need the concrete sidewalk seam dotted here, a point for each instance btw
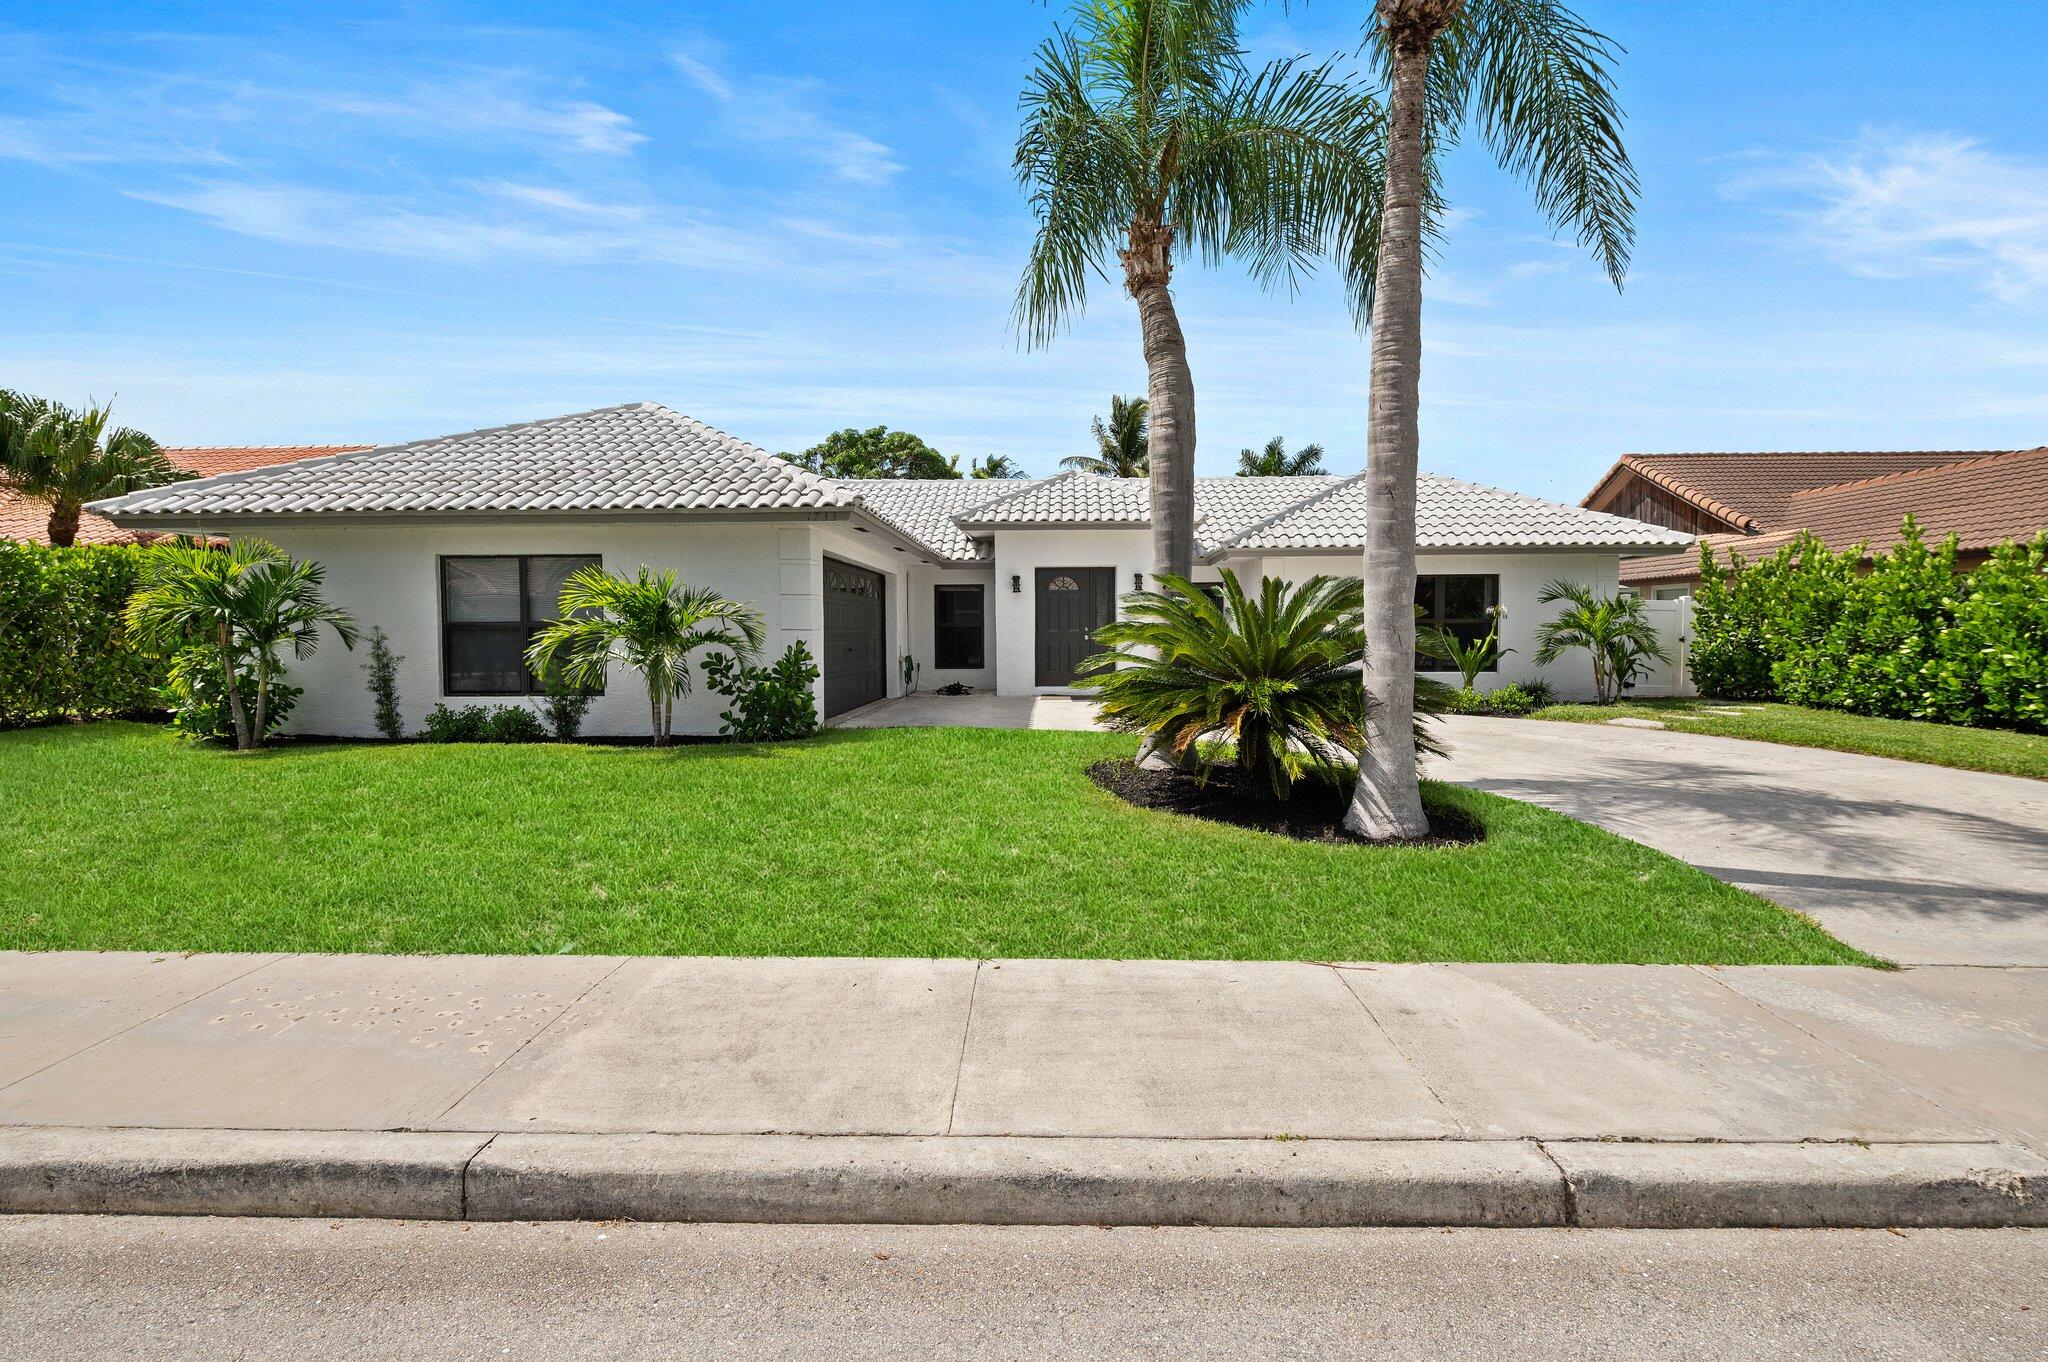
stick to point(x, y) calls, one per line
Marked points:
point(966, 1031)
point(517, 1050)
point(1570, 1190)
point(1713, 972)
point(154, 1016)
point(462, 1187)
point(1343, 974)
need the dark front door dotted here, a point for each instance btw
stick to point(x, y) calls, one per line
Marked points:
point(856, 672)
point(1072, 604)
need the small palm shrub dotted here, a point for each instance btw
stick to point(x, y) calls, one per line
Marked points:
point(650, 622)
point(1275, 677)
point(769, 704)
point(1613, 629)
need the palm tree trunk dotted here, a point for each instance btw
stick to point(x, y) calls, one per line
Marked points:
point(260, 727)
point(234, 690)
point(1387, 805)
point(1170, 398)
point(654, 700)
point(63, 524)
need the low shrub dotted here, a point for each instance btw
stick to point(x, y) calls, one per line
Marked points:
point(1458, 700)
point(1512, 700)
point(64, 649)
point(514, 723)
point(196, 695)
point(564, 707)
point(769, 704)
point(469, 724)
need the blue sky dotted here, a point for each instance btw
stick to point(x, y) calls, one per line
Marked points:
point(257, 223)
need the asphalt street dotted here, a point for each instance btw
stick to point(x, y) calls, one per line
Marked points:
point(141, 1288)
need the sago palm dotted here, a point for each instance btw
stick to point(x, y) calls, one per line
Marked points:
point(1616, 630)
point(1535, 82)
point(1119, 442)
point(651, 623)
point(1274, 677)
point(235, 608)
point(52, 453)
point(1147, 140)
point(1275, 462)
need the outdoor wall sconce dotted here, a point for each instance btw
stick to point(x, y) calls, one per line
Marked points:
point(1016, 585)
point(1137, 581)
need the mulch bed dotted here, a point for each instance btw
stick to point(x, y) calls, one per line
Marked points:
point(1315, 813)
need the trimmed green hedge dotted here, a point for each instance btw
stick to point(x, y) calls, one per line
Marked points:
point(1907, 639)
point(63, 652)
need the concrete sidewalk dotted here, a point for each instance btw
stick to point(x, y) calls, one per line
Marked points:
point(1075, 1091)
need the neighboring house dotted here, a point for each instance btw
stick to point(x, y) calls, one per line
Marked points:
point(28, 520)
point(1755, 504)
point(457, 546)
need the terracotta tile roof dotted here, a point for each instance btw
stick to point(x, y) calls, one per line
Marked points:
point(24, 519)
point(1983, 501)
point(1750, 491)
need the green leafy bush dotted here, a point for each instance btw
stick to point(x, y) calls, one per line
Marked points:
point(565, 706)
point(471, 723)
point(196, 695)
point(769, 704)
point(1902, 637)
point(1512, 700)
point(64, 650)
point(1464, 701)
point(514, 723)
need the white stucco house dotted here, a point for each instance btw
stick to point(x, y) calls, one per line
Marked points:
point(455, 546)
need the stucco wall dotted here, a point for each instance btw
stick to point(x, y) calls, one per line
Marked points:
point(389, 577)
point(923, 643)
point(1522, 577)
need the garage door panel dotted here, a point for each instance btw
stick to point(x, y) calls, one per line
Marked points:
point(856, 664)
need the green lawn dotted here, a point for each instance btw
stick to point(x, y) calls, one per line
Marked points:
point(922, 842)
point(1971, 749)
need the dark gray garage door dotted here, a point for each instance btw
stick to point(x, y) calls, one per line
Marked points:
point(856, 671)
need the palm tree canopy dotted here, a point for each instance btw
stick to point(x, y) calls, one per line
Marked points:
point(1120, 443)
point(68, 457)
point(1144, 114)
point(192, 591)
point(1275, 462)
point(1000, 466)
point(650, 622)
point(1537, 83)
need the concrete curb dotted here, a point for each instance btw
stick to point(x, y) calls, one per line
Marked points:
point(1016, 1180)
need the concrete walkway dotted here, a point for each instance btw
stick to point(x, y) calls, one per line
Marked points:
point(972, 711)
point(1146, 1092)
point(1916, 863)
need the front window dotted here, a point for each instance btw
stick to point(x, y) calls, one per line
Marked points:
point(959, 627)
point(1461, 606)
point(490, 610)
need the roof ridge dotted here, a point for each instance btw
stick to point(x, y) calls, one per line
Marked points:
point(803, 475)
point(961, 518)
point(1714, 506)
point(1289, 509)
point(1979, 461)
point(222, 449)
point(1804, 453)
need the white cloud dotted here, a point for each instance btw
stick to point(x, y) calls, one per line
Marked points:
point(1895, 206)
point(781, 112)
point(479, 109)
point(560, 200)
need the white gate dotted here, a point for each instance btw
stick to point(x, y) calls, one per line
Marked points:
point(1674, 627)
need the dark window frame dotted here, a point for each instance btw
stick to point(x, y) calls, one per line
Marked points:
point(1434, 616)
point(978, 629)
point(533, 684)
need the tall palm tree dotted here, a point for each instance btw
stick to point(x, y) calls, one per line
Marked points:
point(1119, 444)
point(1146, 136)
point(1536, 82)
point(231, 610)
point(67, 458)
point(1275, 462)
point(998, 466)
point(651, 623)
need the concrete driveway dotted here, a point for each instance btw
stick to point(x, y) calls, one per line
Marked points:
point(1919, 864)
